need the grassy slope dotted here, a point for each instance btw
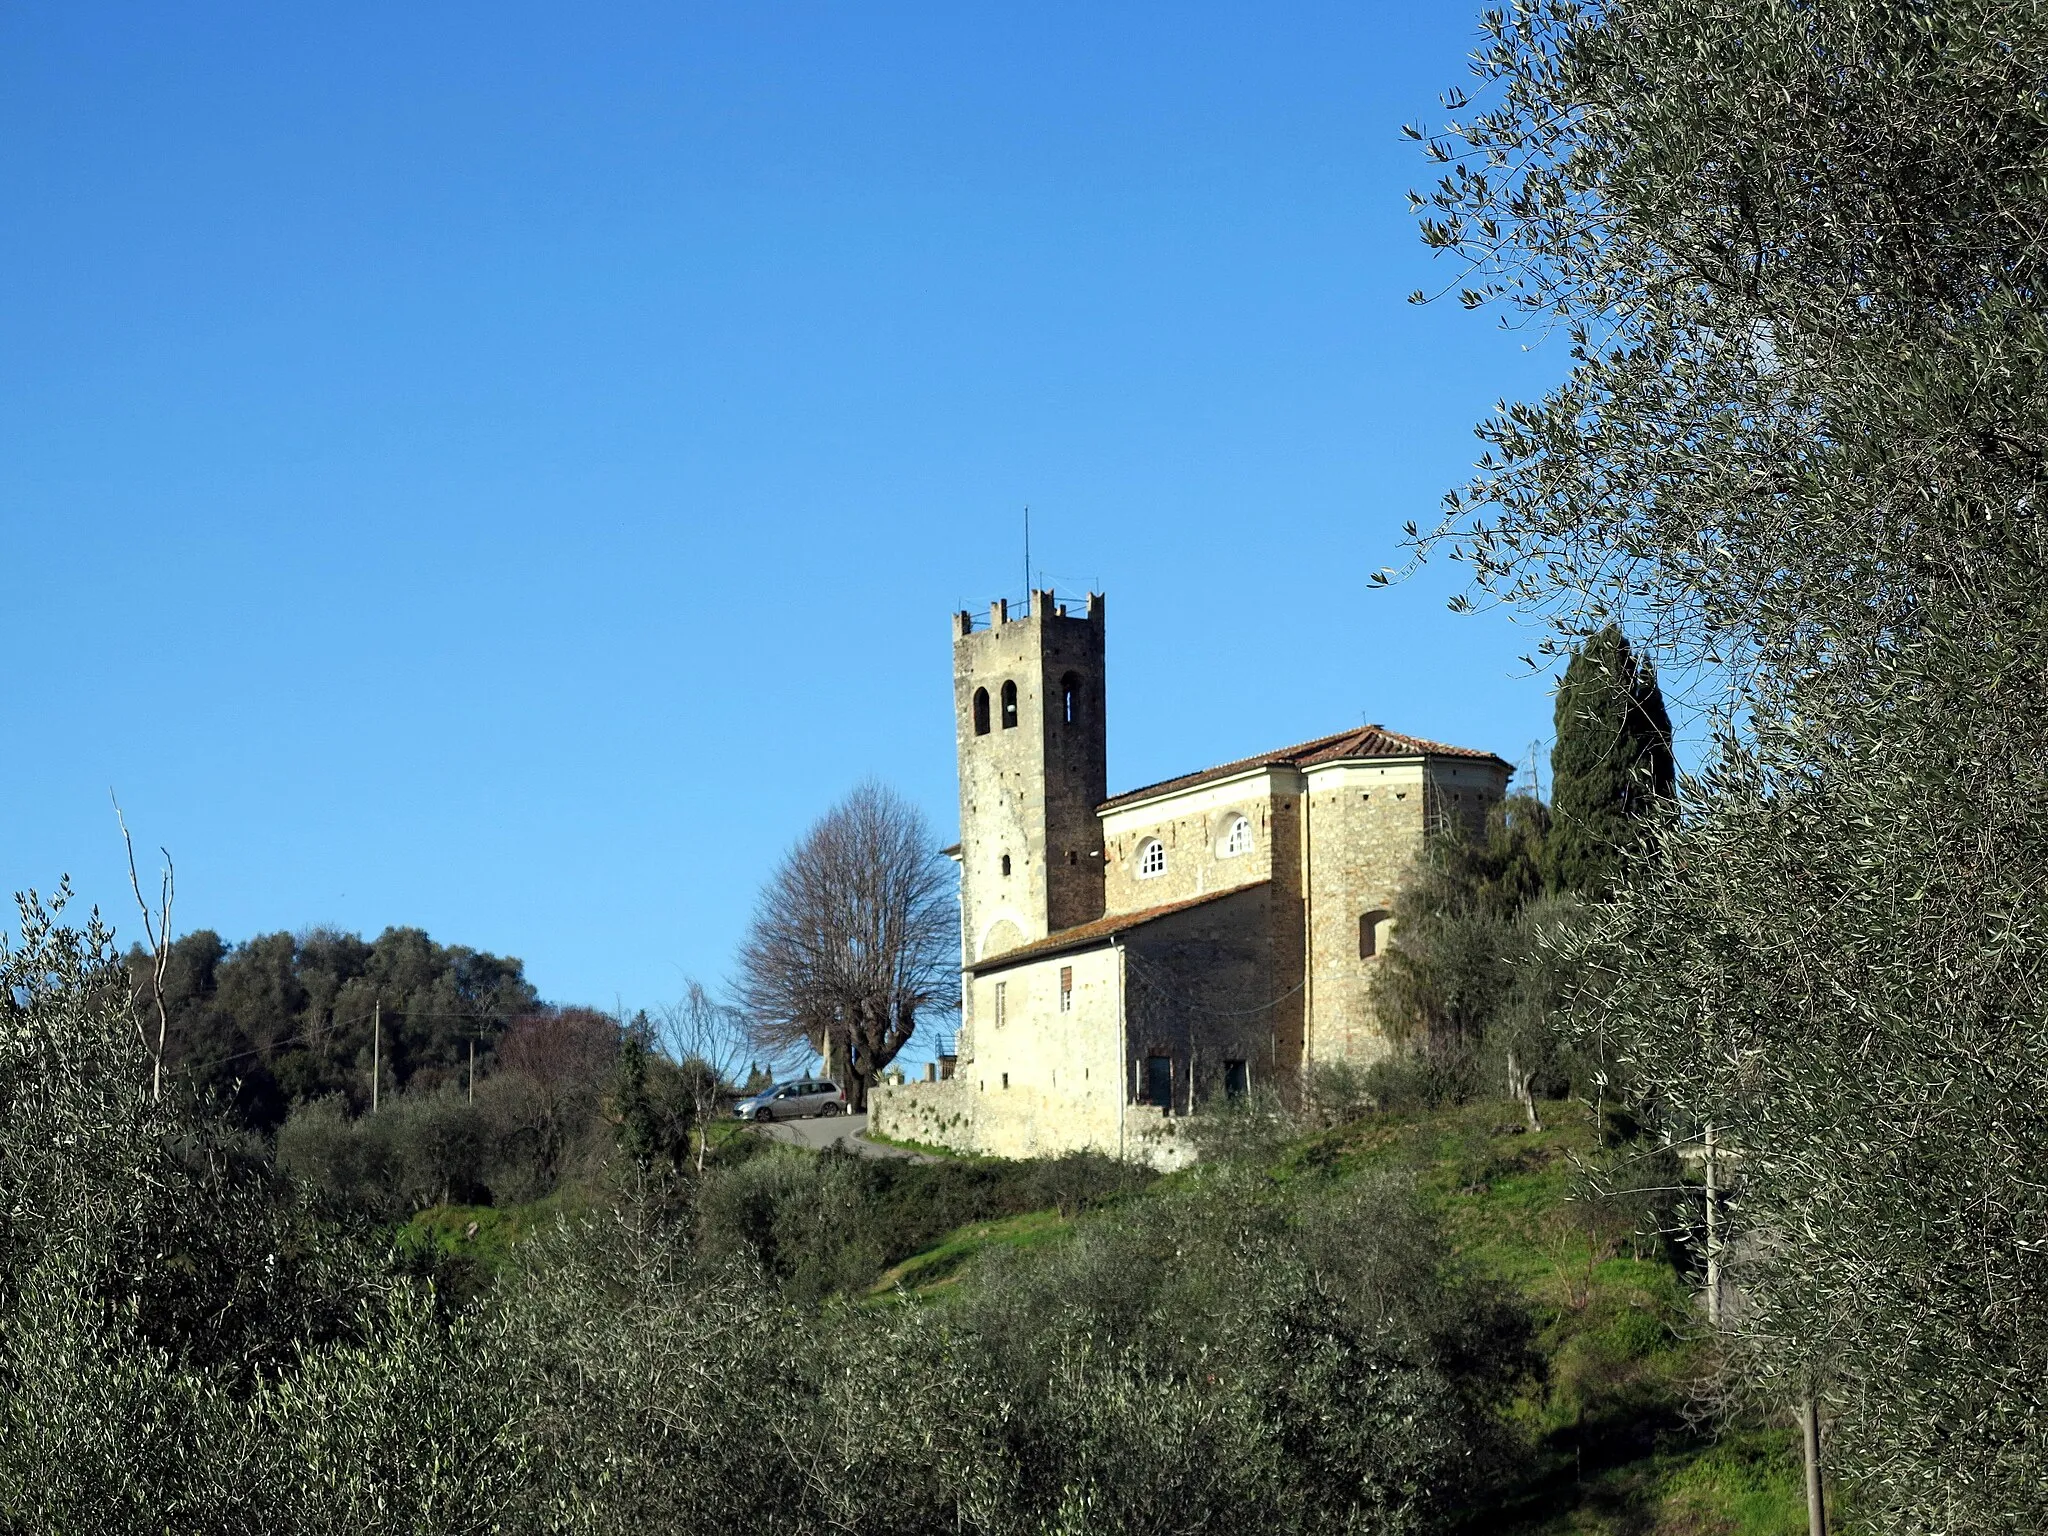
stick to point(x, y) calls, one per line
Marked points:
point(1614, 1455)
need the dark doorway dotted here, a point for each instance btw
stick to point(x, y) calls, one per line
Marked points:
point(1159, 1081)
point(1237, 1079)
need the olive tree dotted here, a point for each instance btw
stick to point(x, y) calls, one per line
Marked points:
point(854, 939)
point(1795, 253)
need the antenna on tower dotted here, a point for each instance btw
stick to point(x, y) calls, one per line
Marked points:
point(1027, 554)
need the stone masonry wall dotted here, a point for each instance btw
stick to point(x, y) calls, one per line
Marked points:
point(940, 1114)
point(1047, 1078)
point(1200, 990)
point(1365, 826)
point(1028, 791)
point(1191, 827)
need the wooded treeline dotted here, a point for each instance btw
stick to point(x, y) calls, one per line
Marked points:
point(485, 1094)
point(284, 1017)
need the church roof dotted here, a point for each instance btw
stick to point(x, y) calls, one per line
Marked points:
point(1082, 935)
point(1367, 741)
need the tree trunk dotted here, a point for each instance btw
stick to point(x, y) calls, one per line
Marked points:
point(1713, 1233)
point(1519, 1089)
point(1816, 1502)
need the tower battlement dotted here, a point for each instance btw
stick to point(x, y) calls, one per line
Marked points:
point(1041, 603)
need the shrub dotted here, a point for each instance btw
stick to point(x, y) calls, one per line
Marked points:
point(422, 1149)
point(1211, 1357)
point(833, 1222)
point(436, 1147)
point(330, 1150)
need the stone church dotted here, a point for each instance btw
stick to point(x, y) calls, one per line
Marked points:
point(1127, 959)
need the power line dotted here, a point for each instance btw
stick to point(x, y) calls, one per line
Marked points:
point(1184, 1000)
point(329, 1028)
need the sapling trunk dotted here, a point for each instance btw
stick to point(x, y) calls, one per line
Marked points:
point(1816, 1502)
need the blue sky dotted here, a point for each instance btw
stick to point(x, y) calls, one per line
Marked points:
point(507, 469)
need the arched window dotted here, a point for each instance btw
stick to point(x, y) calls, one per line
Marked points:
point(1151, 859)
point(1372, 933)
point(1238, 840)
point(1006, 863)
point(1070, 698)
point(981, 711)
point(1009, 705)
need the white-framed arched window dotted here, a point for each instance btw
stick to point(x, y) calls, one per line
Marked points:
point(1151, 859)
point(1238, 840)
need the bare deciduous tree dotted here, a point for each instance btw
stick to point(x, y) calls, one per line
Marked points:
point(855, 937)
point(550, 1074)
point(704, 1036)
point(156, 927)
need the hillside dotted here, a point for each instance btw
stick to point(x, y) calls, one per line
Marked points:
point(1611, 1448)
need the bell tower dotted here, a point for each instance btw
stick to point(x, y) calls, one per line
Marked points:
point(1028, 711)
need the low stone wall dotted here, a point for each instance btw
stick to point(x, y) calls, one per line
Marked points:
point(957, 1114)
point(1154, 1137)
point(940, 1114)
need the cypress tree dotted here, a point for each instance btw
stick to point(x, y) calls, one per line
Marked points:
point(1611, 765)
point(639, 1132)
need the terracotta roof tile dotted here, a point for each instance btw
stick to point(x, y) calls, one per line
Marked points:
point(1362, 742)
point(1104, 927)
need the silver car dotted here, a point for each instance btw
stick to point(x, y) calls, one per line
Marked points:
point(793, 1101)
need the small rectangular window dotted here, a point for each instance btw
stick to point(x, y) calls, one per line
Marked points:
point(1002, 1002)
point(1066, 989)
point(1371, 933)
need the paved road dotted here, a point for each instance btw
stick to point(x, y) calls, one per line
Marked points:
point(843, 1131)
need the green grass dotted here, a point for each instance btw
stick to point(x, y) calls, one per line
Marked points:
point(1742, 1485)
point(719, 1134)
point(484, 1233)
point(942, 1265)
point(474, 1240)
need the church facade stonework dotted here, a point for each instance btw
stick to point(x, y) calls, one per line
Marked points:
point(1127, 960)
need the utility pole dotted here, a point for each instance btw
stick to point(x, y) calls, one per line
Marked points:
point(472, 1069)
point(376, 1050)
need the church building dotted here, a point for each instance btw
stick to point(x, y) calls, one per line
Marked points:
point(1128, 959)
